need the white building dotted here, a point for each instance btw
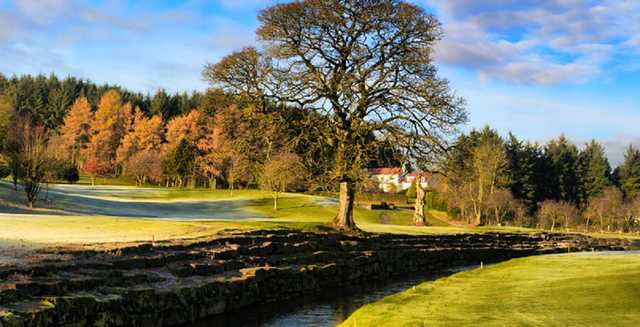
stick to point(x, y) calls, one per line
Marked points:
point(395, 179)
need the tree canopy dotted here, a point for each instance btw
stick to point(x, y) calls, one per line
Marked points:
point(367, 65)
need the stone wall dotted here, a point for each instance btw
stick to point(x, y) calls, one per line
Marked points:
point(171, 284)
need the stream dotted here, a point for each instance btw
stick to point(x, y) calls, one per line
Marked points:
point(335, 305)
point(327, 309)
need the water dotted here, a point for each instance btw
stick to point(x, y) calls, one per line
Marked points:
point(335, 306)
point(327, 309)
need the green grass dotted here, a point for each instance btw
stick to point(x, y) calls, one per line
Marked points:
point(86, 214)
point(81, 214)
point(554, 290)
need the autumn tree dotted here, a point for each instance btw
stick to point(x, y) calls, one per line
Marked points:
point(238, 168)
point(96, 166)
point(10, 137)
point(366, 64)
point(630, 215)
point(145, 134)
point(280, 172)
point(212, 160)
point(488, 165)
point(76, 130)
point(144, 165)
point(32, 155)
point(13, 147)
point(604, 208)
point(191, 127)
point(6, 117)
point(502, 204)
point(112, 120)
point(554, 214)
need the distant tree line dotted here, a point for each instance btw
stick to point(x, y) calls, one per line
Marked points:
point(495, 180)
point(48, 98)
point(215, 140)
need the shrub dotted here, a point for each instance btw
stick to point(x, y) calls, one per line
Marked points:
point(4, 168)
point(70, 173)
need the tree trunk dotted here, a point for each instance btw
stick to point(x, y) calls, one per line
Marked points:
point(418, 214)
point(344, 220)
point(588, 223)
point(15, 181)
point(93, 180)
point(275, 202)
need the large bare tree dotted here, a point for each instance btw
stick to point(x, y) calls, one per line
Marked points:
point(366, 64)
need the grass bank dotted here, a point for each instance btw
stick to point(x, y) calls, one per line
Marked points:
point(555, 290)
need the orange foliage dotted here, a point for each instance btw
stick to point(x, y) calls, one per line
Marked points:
point(75, 133)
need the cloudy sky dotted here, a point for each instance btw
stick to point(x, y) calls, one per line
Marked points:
point(536, 68)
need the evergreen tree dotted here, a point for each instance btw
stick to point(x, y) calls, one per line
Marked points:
point(565, 171)
point(521, 168)
point(48, 98)
point(164, 105)
point(59, 101)
point(628, 173)
point(595, 168)
point(180, 163)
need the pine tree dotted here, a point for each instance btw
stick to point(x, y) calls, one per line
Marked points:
point(628, 173)
point(521, 169)
point(595, 169)
point(163, 105)
point(564, 171)
point(180, 163)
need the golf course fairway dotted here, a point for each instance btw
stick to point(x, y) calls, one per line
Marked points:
point(580, 289)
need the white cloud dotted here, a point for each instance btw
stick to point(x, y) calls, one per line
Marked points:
point(537, 42)
point(44, 11)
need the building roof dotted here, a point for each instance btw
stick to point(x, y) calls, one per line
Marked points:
point(385, 171)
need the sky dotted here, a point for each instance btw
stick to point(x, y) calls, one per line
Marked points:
point(536, 68)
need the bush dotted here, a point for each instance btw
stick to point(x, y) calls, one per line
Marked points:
point(70, 173)
point(4, 168)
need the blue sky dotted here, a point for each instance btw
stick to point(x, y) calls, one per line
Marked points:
point(537, 68)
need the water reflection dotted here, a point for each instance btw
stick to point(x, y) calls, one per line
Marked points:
point(327, 309)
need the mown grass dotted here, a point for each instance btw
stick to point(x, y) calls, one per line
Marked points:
point(82, 214)
point(555, 290)
point(254, 211)
point(108, 214)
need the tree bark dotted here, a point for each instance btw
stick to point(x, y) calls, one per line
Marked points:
point(418, 214)
point(344, 220)
point(275, 202)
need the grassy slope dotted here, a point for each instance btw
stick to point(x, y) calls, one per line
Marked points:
point(557, 290)
point(83, 214)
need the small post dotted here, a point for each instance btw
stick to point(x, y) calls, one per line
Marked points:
point(481, 265)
